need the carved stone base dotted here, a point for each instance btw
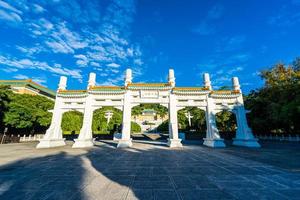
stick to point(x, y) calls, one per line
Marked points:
point(117, 136)
point(173, 143)
point(246, 142)
point(49, 143)
point(83, 143)
point(215, 143)
point(124, 143)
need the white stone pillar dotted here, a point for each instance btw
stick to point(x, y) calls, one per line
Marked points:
point(92, 80)
point(173, 140)
point(85, 138)
point(62, 83)
point(128, 77)
point(171, 77)
point(206, 81)
point(244, 135)
point(213, 138)
point(53, 136)
point(235, 84)
point(125, 140)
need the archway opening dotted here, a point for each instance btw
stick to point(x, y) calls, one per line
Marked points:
point(149, 121)
point(106, 121)
point(192, 122)
point(226, 124)
point(71, 124)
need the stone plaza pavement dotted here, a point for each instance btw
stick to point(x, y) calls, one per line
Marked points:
point(150, 171)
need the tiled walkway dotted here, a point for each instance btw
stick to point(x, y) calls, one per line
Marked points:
point(149, 171)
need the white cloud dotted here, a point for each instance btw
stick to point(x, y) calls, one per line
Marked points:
point(138, 61)
point(37, 65)
point(30, 50)
point(95, 64)
point(20, 76)
point(10, 16)
point(9, 69)
point(59, 47)
point(40, 80)
point(103, 46)
point(113, 65)
point(8, 7)
point(38, 9)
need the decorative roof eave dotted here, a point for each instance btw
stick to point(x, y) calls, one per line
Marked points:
point(191, 90)
point(72, 93)
point(149, 86)
point(224, 96)
point(109, 92)
point(225, 93)
point(106, 88)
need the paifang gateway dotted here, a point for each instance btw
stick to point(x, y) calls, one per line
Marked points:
point(132, 94)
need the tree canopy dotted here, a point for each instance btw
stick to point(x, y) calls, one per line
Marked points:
point(100, 125)
point(71, 122)
point(27, 112)
point(275, 108)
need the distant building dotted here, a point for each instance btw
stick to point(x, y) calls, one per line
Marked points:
point(149, 119)
point(29, 87)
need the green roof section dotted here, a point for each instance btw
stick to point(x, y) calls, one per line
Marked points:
point(28, 83)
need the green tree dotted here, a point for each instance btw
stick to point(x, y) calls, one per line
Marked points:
point(99, 124)
point(226, 121)
point(28, 112)
point(275, 108)
point(135, 128)
point(5, 97)
point(71, 122)
point(198, 122)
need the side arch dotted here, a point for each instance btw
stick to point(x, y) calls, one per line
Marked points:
point(104, 125)
point(195, 128)
point(72, 121)
point(226, 123)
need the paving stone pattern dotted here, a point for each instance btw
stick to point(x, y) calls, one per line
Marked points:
point(149, 171)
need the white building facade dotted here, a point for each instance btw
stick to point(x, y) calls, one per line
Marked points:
point(132, 94)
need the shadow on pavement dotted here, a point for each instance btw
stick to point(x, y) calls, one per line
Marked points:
point(148, 171)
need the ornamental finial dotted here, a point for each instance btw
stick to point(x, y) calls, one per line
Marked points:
point(235, 84)
point(62, 83)
point(92, 80)
point(171, 77)
point(128, 76)
point(206, 81)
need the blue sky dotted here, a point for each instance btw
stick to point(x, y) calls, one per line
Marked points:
point(45, 39)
